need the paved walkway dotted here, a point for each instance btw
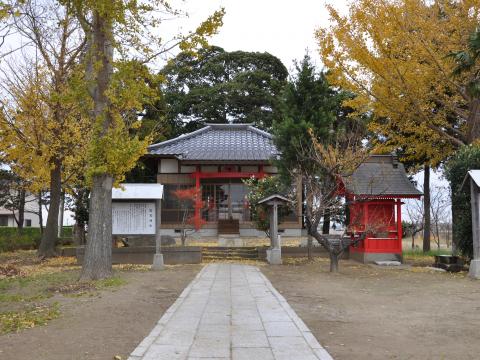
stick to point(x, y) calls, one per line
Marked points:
point(230, 312)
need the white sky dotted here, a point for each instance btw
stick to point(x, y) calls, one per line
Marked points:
point(282, 28)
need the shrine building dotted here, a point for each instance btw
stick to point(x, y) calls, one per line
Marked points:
point(214, 160)
point(374, 196)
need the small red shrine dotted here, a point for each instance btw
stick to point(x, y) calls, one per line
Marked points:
point(374, 196)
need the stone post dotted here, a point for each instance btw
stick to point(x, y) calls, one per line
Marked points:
point(275, 255)
point(275, 225)
point(158, 257)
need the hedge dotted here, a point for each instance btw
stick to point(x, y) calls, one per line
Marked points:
point(29, 238)
point(467, 158)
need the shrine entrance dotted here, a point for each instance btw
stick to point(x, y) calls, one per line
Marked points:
point(224, 199)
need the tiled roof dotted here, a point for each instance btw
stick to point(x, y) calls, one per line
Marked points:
point(220, 142)
point(381, 175)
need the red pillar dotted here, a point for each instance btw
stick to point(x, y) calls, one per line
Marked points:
point(261, 173)
point(365, 222)
point(198, 200)
point(399, 224)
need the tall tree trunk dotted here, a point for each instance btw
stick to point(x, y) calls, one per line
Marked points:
point(333, 262)
point(21, 209)
point(49, 236)
point(426, 209)
point(40, 213)
point(309, 247)
point(61, 209)
point(326, 223)
point(97, 263)
point(473, 121)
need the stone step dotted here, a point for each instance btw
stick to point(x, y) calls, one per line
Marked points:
point(229, 252)
point(252, 248)
point(236, 253)
point(239, 258)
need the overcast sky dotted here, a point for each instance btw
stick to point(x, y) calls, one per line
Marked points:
point(283, 28)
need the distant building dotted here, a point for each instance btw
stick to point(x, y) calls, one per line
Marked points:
point(31, 219)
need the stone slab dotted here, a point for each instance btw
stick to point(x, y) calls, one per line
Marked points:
point(230, 311)
point(388, 263)
point(367, 258)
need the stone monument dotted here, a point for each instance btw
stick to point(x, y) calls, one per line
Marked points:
point(274, 254)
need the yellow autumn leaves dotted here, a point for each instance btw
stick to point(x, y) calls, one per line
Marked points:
point(393, 56)
point(32, 135)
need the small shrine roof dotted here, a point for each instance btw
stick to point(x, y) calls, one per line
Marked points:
point(274, 197)
point(381, 176)
point(222, 142)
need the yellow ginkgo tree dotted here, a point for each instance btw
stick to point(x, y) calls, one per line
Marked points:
point(44, 127)
point(394, 55)
point(120, 36)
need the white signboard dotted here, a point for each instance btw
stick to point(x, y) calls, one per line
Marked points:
point(130, 218)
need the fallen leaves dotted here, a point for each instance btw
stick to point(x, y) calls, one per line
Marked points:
point(13, 321)
point(9, 270)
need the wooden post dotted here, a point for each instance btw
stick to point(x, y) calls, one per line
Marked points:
point(474, 270)
point(261, 172)
point(474, 194)
point(365, 224)
point(198, 200)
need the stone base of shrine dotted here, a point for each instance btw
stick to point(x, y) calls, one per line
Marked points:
point(367, 258)
point(274, 256)
point(145, 255)
point(474, 270)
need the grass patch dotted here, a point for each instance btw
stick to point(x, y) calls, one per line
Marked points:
point(420, 253)
point(27, 285)
point(21, 298)
point(420, 258)
point(13, 321)
point(45, 285)
point(109, 283)
point(35, 287)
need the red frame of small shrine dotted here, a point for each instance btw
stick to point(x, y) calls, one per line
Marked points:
point(381, 216)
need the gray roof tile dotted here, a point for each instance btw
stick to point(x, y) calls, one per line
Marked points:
point(238, 142)
point(381, 175)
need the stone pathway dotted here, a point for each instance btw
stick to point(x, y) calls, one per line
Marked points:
point(230, 312)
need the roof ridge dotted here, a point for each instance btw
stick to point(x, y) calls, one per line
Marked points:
point(248, 126)
point(260, 131)
point(181, 137)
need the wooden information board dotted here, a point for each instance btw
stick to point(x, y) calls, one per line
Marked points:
point(133, 218)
